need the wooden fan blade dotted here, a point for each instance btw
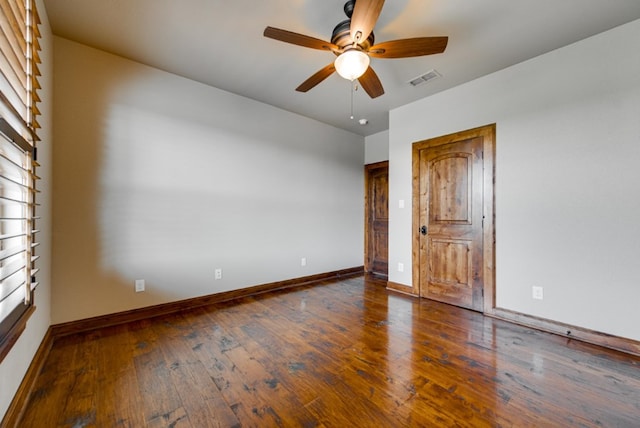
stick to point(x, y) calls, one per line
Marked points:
point(299, 39)
point(371, 83)
point(364, 18)
point(316, 78)
point(406, 48)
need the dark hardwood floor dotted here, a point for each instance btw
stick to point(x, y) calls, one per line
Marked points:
point(340, 354)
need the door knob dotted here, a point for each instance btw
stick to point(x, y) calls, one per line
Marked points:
point(423, 230)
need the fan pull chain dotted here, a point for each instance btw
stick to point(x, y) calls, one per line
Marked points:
point(354, 88)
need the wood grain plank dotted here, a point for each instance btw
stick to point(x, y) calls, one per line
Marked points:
point(79, 407)
point(200, 396)
point(161, 403)
point(118, 379)
point(53, 384)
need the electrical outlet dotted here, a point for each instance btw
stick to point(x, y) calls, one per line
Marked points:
point(536, 293)
point(303, 261)
point(139, 285)
point(218, 273)
point(400, 267)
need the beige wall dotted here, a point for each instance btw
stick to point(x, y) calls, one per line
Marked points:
point(160, 178)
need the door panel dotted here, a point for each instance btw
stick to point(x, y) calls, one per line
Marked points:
point(450, 192)
point(380, 247)
point(451, 262)
point(377, 218)
point(451, 270)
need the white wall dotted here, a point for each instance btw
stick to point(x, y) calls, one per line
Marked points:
point(15, 365)
point(161, 178)
point(568, 182)
point(376, 147)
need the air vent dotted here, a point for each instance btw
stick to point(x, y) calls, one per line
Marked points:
point(424, 78)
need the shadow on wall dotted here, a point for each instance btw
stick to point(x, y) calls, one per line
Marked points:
point(164, 179)
point(175, 197)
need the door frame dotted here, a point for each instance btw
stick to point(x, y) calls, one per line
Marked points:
point(367, 218)
point(488, 132)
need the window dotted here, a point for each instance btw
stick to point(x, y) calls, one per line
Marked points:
point(19, 59)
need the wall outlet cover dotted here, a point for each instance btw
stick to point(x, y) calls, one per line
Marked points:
point(537, 293)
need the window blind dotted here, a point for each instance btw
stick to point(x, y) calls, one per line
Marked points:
point(19, 72)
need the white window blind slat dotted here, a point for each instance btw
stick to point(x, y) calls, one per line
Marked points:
point(10, 284)
point(12, 251)
point(11, 302)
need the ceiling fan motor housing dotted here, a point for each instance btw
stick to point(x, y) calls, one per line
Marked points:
point(341, 36)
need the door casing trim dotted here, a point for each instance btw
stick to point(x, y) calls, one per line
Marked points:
point(488, 132)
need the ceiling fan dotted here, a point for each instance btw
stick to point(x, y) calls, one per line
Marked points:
point(353, 42)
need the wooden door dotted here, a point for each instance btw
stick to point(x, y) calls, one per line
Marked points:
point(451, 213)
point(377, 218)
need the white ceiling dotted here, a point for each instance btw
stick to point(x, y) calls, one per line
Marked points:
point(220, 43)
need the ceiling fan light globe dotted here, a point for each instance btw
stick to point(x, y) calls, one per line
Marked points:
point(352, 64)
